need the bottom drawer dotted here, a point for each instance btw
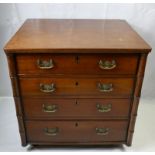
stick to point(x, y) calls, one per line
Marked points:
point(76, 131)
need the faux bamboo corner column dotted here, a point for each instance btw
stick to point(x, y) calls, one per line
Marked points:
point(16, 95)
point(136, 96)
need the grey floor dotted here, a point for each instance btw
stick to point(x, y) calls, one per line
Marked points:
point(144, 136)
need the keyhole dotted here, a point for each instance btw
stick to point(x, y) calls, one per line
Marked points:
point(77, 59)
point(76, 102)
point(76, 83)
point(76, 124)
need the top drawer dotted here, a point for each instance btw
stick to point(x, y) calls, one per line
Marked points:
point(77, 63)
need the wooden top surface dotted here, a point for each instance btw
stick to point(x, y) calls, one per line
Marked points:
point(82, 35)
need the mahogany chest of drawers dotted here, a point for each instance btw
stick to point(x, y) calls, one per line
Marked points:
point(76, 82)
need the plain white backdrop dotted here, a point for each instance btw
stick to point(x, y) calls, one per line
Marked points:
point(140, 16)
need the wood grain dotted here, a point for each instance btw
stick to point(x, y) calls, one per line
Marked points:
point(55, 35)
point(77, 64)
point(17, 97)
point(76, 108)
point(122, 87)
point(76, 131)
point(76, 47)
point(137, 92)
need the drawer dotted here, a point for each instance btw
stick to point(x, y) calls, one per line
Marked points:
point(77, 63)
point(48, 108)
point(77, 86)
point(76, 131)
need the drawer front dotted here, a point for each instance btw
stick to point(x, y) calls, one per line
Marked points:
point(76, 131)
point(77, 86)
point(77, 64)
point(73, 108)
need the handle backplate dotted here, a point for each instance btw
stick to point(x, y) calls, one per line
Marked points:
point(44, 64)
point(104, 108)
point(105, 87)
point(51, 131)
point(47, 88)
point(107, 65)
point(50, 108)
point(102, 131)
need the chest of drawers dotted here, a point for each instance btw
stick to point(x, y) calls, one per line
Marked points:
point(76, 82)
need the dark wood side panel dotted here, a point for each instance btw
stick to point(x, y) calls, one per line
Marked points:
point(76, 131)
point(137, 92)
point(17, 98)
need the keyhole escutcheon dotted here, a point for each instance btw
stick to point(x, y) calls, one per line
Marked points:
point(76, 83)
point(77, 59)
point(76, 124)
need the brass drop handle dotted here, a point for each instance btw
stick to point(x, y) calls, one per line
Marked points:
point(44, 64)
point(107, 65)
point(102, 131)
point(47, 88)
point(50, 108)
point(103, 108)
point(51, 131)
point(105, 87)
